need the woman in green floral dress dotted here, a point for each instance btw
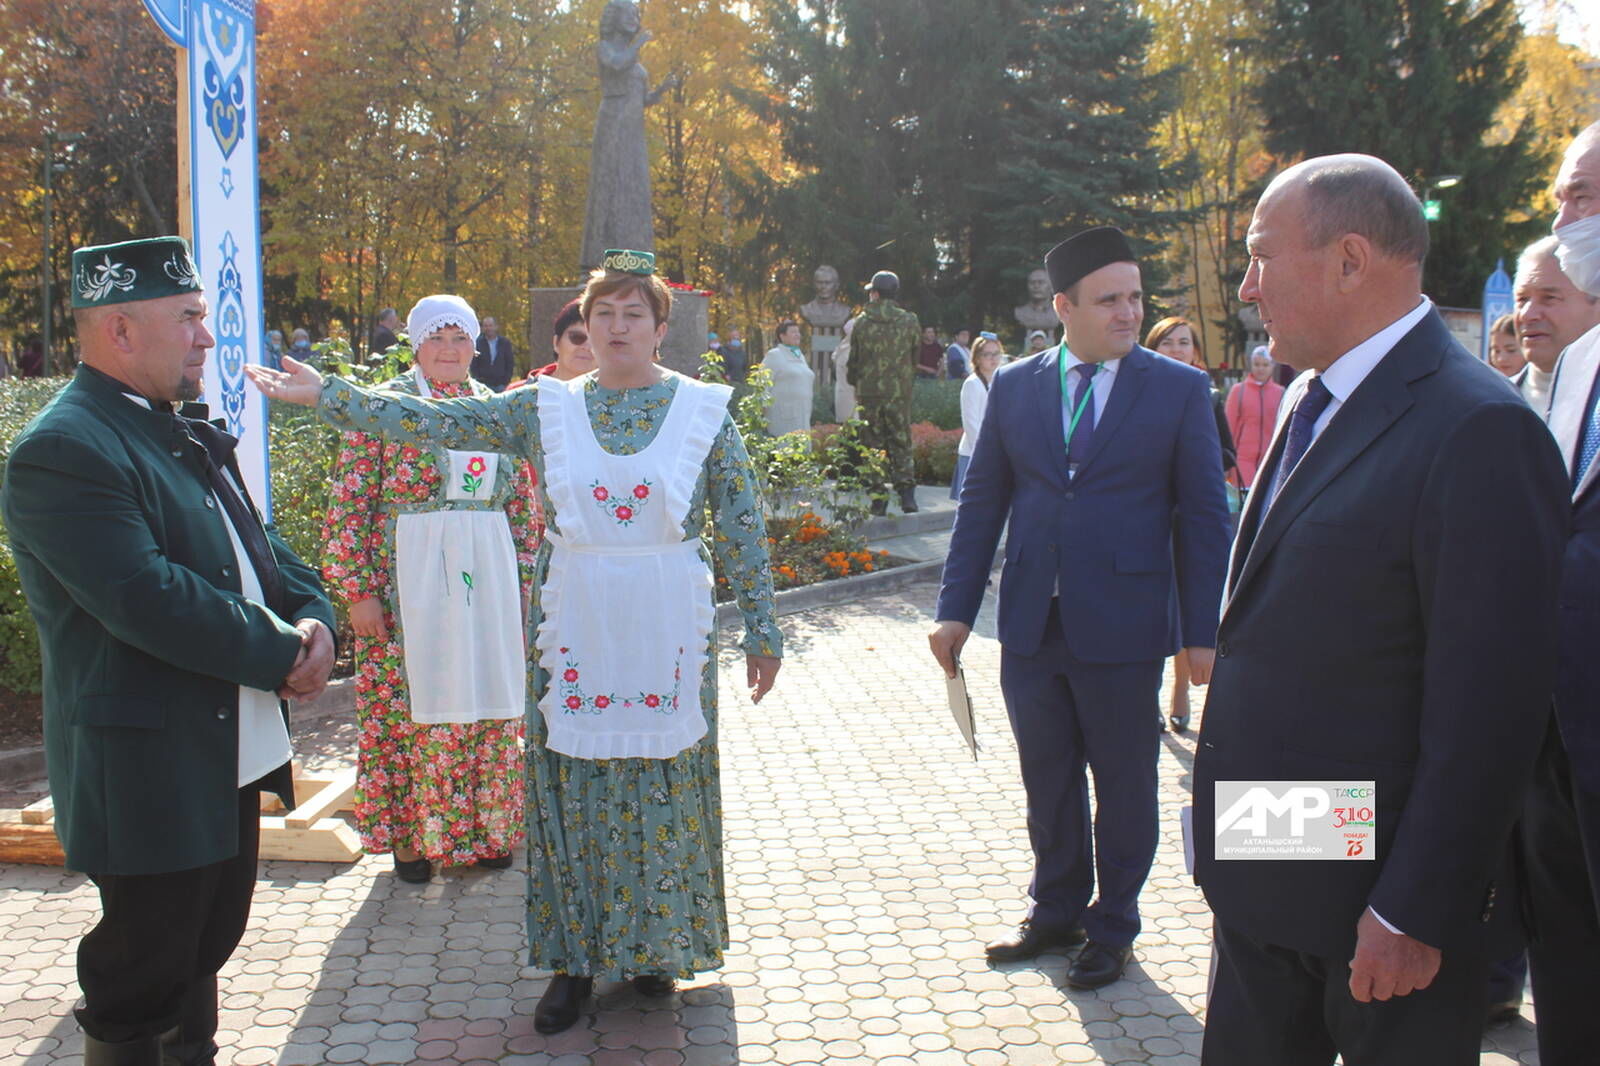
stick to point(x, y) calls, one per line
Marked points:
point(625, 853)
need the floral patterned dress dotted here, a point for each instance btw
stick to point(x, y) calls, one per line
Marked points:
point(624, 855)
point(452, 792)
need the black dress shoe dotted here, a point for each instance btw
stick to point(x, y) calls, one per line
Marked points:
point(1179, 723)
point(146, 1051)
point(1030, 940)
point(415, 872)
point(495, 862)
point(1097, 965)
point(559, 1007)
point(655, 985)
point(908, 501)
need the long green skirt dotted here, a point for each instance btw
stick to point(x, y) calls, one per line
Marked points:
point(625, 856)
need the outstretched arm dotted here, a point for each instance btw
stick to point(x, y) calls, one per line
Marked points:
point(504, 422)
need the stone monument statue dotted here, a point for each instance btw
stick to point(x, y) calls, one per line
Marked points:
point(1038, 312)
point(619, 214)
point(826, 314)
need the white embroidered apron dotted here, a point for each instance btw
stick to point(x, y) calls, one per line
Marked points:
point(460, 598)
point(627, 600)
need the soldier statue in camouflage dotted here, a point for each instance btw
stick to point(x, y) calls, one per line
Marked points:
point(883, 347)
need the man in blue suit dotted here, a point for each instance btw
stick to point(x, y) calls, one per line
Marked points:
point(1103, 456)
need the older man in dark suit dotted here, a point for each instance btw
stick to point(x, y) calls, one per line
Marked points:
point(173, 625)
point(1562, 826)
point(495, 363)
point(1390, 619)
point(1103, 457)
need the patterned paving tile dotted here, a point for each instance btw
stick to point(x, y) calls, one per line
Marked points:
point(869, 859)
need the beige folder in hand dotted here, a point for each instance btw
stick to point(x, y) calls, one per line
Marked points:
point(961, 709)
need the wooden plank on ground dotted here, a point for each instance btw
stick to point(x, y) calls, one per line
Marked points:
point(329, 840)
point(336, 794)
point(39, 812)
point(34, 844)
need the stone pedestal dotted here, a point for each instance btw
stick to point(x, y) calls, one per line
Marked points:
point(824, 339)
point(681, 351)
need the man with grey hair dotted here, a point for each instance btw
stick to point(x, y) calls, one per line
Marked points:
point(1550, 313)
point(385, 336)
point(1386, 524)
point(1561, 828)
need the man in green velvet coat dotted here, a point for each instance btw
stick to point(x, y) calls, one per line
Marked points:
point(173, 625)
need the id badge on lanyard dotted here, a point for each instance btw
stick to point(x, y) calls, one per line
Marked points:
point(1083, 404)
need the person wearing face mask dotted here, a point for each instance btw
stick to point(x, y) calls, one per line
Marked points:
point(625, 812)
point(1561, 823)
point(433, 549)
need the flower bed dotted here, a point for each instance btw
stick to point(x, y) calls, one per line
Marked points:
point(806, 550)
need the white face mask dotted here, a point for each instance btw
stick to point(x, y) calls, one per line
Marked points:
point(1580, 253)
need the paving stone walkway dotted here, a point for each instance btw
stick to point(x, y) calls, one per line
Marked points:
point(869, 859)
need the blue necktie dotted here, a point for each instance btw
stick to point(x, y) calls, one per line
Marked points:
point(1589, 440)
point(1078, 447)
point(1302, 422)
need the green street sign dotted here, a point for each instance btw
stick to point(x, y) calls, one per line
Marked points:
point(1432, 209)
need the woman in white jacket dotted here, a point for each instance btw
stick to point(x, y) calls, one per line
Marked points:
point(986, 356)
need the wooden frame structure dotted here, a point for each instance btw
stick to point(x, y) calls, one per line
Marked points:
point(312, 832)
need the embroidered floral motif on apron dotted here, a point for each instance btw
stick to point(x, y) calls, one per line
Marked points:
point(627, 601)
point(460, 598)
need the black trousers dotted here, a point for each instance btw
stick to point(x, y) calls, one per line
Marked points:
point(1272, 1006)
point(1561, 831)
point(151, 963)
point(1069, 716)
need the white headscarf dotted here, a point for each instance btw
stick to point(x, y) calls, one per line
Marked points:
point(433, 313)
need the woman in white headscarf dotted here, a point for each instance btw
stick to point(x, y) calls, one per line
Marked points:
point(433, 551)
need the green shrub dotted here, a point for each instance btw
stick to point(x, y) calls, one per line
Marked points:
point(20, 664)
point(933, 453)
point(936, 401)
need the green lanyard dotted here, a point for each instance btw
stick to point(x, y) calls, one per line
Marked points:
point(1088, 394)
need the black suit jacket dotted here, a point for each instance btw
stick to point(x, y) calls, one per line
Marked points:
point(494, 363)
point(1393, 618)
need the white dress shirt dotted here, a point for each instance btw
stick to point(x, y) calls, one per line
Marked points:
point(1351, 369)
point(263, 737)
point(1101, 386)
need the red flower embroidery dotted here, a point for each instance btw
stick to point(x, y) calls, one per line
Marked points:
point(476, 465)
point(624, 513)
point(652, 701)
point(602, 702)
point(641, 491)
point(600, 493)
point(573, 702)
point(570, 675)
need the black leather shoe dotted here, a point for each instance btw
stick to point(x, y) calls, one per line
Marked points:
point(1030, 940)
point(561, 1003)
point(415, 872)
point(655, 985)
point(495, 862)
point(1179, 723)
point(1097, 965)
point(908, 501)
point(1502, 1013)
point(146, 1051)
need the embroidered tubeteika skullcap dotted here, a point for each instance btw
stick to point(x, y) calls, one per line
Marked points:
point(147, 269)
point(628, 261)
point(433, 313)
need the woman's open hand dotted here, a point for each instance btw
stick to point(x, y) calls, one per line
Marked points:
point(295, 383)
point(760, 672)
